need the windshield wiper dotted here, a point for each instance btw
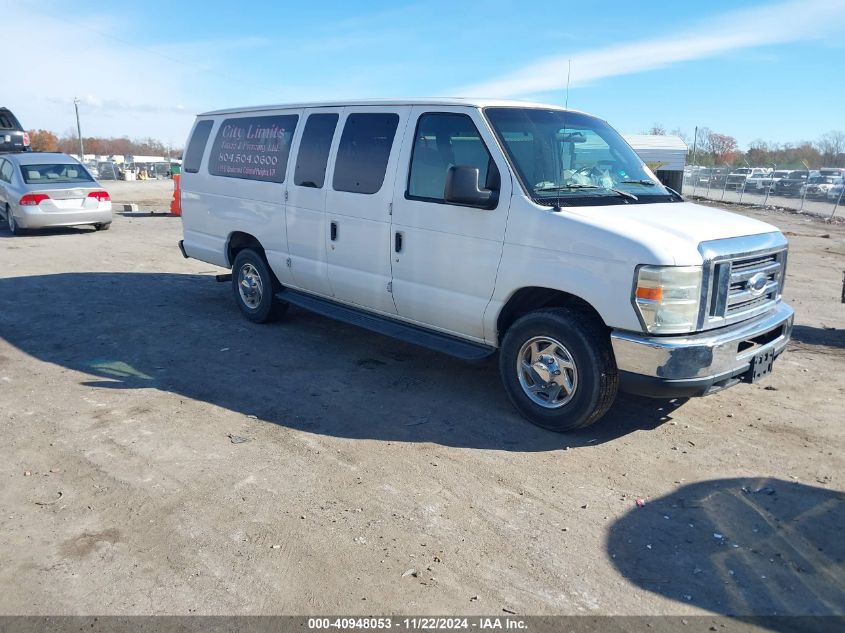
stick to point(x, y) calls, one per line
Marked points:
point(619, 192)
point(642, 181)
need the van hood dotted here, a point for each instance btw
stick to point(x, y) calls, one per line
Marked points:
point(672, 230)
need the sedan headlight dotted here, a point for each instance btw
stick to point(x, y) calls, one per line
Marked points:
point(667, 298)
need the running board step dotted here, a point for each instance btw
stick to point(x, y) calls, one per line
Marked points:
point(436, 341)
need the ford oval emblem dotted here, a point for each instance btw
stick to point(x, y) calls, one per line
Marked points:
point(757, 284)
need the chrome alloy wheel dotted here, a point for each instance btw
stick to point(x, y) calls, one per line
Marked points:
point(10, 219)
point(250, 286)
point(547, 372)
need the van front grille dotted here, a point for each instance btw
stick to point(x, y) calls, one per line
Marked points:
point(740, 296)
point(741, 286)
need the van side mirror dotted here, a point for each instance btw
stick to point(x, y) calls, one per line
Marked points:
point(463, 187)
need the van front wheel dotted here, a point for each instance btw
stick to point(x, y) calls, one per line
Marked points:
point(254, 288)
point(558, 369)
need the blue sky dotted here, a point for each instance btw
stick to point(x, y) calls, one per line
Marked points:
point(770, 70)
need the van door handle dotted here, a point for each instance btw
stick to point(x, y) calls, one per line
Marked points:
point(333, 231)
point(397, 242)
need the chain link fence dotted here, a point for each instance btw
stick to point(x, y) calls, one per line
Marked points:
point(815, 192)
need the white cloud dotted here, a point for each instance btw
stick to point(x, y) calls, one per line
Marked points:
point(735, 31)
point(125, 88)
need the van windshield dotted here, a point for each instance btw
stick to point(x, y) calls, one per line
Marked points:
point(572, 159)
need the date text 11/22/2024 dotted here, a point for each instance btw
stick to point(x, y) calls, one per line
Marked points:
point(418, 623)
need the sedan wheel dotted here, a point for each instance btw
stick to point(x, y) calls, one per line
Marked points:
point(13, 225)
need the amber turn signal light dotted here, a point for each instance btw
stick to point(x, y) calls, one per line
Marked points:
point(652, 294)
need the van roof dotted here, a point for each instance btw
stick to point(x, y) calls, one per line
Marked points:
point(429, 101)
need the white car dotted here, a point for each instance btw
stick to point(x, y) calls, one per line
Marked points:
point(835, 192)
point(477, 227)
point(41, 190)
point(757, 178)
point(819, 186)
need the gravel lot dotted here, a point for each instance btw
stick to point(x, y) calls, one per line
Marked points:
point(163, 455)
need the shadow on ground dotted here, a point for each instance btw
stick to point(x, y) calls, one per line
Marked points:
point(183, 334)
point(819, 336)
point(58, 230)
point(739, 547)
point(145, 214)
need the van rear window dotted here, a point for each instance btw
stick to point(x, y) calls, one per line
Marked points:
point(254, 148)
point(314, 150)
point(196, 148)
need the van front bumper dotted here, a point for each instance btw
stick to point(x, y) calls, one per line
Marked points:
point(703, 363)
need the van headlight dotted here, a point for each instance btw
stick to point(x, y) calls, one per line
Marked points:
point(667, 298)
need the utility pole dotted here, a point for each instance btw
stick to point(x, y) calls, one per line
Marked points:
point(694, 145)
point(79, 131)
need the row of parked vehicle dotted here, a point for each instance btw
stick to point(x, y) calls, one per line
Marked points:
point(111, 170)
point(812, 183)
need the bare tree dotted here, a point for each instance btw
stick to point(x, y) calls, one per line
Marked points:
point(831, 145)
point(682, 135)
point(657, 129)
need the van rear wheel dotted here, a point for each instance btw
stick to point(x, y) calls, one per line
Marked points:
point(254, 288)
point(558, 369)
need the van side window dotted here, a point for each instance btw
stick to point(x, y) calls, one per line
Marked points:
point(253, 148)
point(364, 151)
point(196, 147)
point(314, 150)
point(443, 140)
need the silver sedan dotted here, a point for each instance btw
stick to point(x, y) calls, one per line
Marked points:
point(40, 190)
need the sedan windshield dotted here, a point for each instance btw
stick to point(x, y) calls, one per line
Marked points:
point(54, 173)
point(568, 158)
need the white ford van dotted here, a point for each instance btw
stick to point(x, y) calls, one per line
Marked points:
point(476, 226)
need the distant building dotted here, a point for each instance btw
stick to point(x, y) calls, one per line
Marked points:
point(665, 155)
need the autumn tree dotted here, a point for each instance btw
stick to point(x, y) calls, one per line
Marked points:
point(122, 146)
point(722, 148)
point(43, 141)
point(760, 153)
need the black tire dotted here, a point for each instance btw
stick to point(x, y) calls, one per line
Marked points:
point(105, 226)
point(267, 307)
point(587, 344)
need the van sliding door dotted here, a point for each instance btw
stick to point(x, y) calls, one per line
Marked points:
point(358, 236)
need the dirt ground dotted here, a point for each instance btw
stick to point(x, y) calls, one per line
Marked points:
point(161, 455)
